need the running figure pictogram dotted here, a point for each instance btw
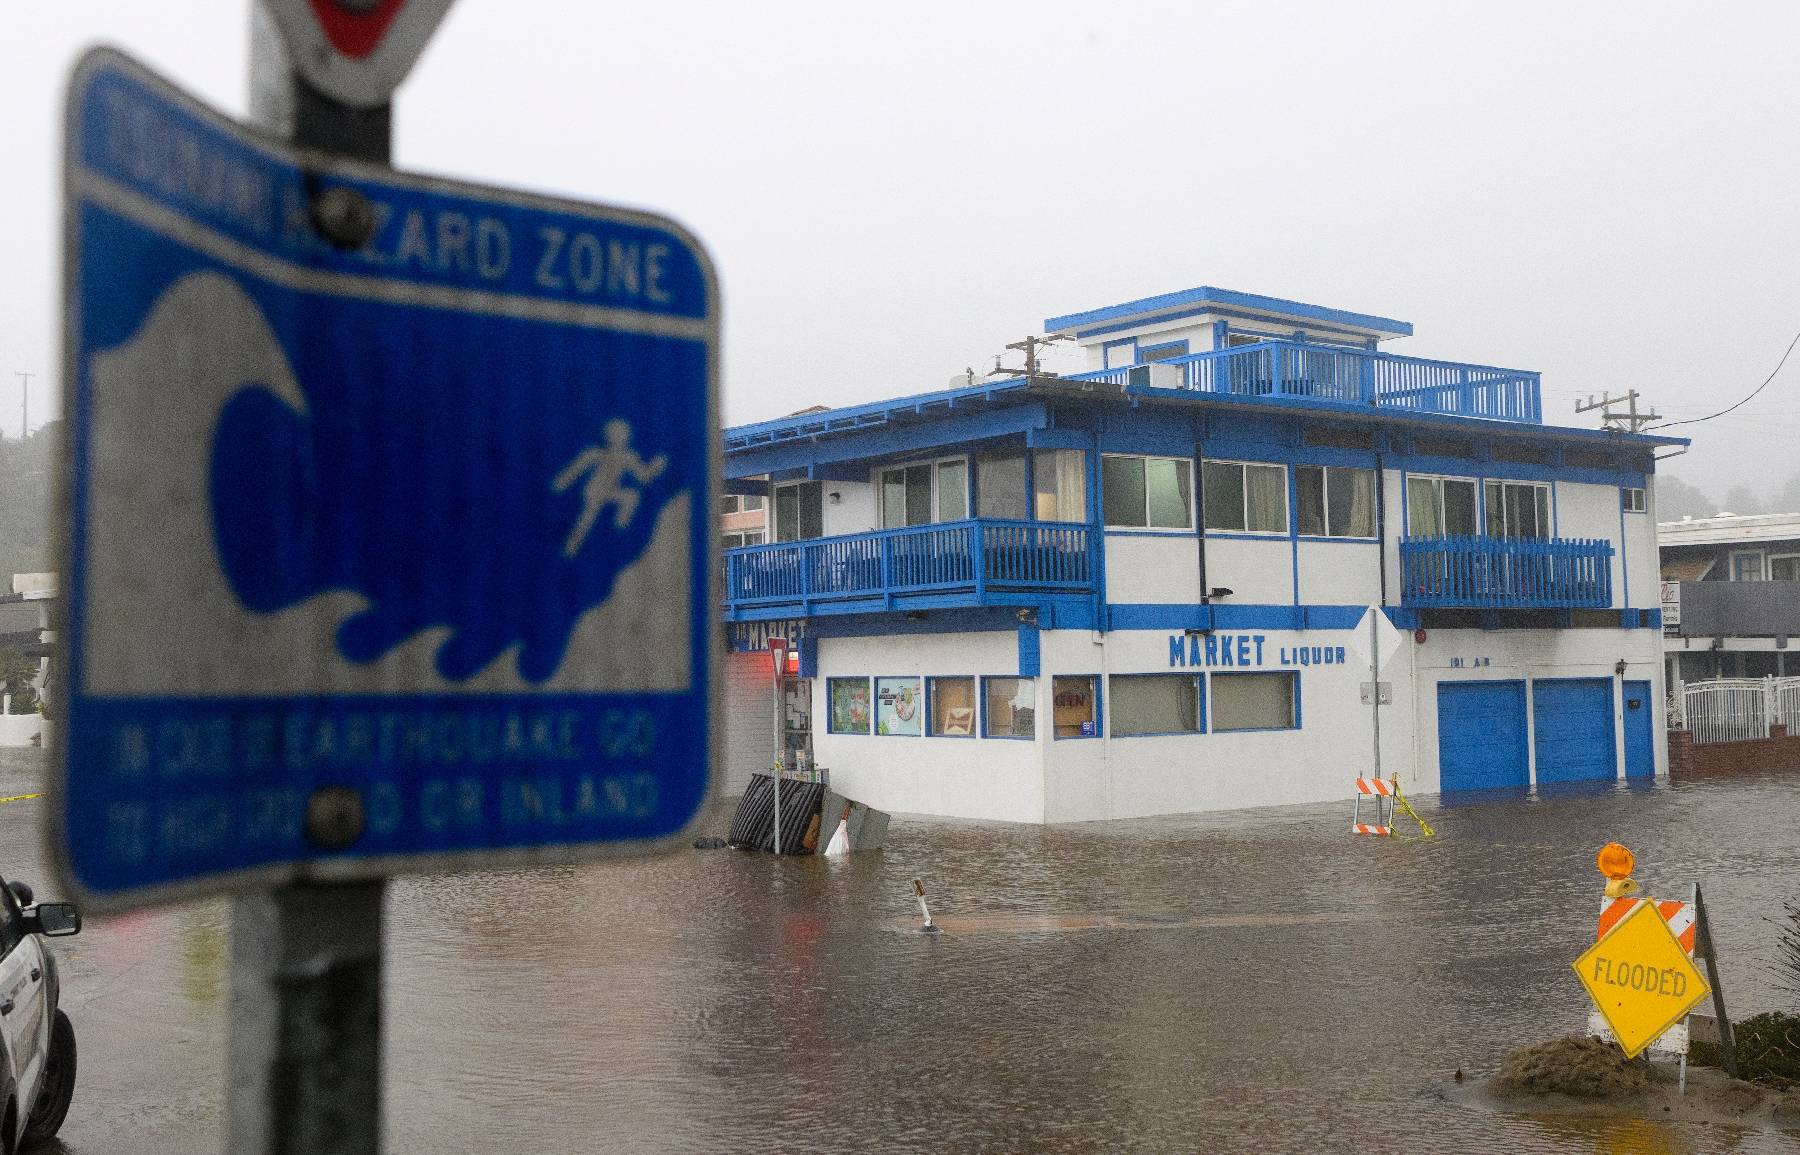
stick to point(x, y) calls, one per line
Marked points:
point(606, 468)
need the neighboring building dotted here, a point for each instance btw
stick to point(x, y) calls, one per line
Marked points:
point(1006, 610)
point(1731, 595)
point(743, 520)
point(25, 628)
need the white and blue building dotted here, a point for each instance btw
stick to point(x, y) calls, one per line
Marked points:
point(1157, 586)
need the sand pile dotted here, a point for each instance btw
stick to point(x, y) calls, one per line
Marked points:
point(1581, 1068)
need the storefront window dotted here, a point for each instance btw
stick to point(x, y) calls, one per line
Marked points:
point(849, 701)
point(952, 707)
point(899, 707)
point(1154, 704)
point(1009, 707)
point(1077, 711)
point(1254, 701)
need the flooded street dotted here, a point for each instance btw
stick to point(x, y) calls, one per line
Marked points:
point(1259, 981)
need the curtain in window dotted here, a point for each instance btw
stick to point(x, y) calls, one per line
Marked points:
point(1267, 493)
point(1352, 502)
point(953, 490)
point(1000, 486)
point(1060, 478)
point(1422, 511)
point(1167, 480)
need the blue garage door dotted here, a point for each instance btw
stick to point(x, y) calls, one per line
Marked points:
point(1640, 731)
point(1572, 728)
point(1481, 735)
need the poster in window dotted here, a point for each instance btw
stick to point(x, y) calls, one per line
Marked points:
point(899, 707)
point(849, 706)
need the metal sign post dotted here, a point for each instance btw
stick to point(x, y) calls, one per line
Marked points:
point(304, 1047)
point(386, 510)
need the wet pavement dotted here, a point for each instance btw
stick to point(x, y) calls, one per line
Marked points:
point(1258, 981)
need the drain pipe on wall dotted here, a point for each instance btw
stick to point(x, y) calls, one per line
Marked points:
point(1374, 625)
point(1200, 523)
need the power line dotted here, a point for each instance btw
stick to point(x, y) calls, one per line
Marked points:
point(1740, 404)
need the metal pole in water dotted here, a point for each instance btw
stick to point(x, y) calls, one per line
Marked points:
point(305, 1031)
point(919, 891)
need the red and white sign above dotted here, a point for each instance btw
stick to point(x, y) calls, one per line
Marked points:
point(356, 51)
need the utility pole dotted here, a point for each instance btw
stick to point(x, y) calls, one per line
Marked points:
point(1630, 421)
point(1029, 346)
point(25, 405)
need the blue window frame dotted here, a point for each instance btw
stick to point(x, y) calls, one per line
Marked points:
point(1631, 499)
point(1009, 708)
point(1166, 351)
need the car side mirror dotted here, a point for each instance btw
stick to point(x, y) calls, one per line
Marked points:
point(54, 919)
point(21, 892)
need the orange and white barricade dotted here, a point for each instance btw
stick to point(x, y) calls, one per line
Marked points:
point(1680, 917)
point(1381, 793)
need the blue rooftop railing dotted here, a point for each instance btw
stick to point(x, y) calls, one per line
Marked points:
point(1505, 573)
point(972, 557)
point(1295, 369)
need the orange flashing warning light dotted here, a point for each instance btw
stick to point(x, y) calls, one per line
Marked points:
point(1614, 861)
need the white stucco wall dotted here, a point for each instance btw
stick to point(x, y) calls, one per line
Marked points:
point(1339, 573)
point(1584, 510)
point(1158, 570)
point(1259, 573)
point(853, 512)
point(1123, 777)
point(994, 778)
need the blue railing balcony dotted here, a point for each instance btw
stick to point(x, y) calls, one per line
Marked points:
point(960, 562)
point(1294, 370)
point(1505, 573)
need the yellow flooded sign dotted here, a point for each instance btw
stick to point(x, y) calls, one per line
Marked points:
point(1640, 979)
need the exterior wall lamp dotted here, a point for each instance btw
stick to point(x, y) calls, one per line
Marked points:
point(1620, 668)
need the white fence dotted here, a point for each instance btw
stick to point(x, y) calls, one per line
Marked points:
point(1739, 709)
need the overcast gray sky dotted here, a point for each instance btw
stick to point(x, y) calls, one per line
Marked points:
point(1602, 192)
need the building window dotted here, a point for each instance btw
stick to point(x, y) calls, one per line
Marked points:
point(1147, 492)
point(1000, 486)
point(1244, 498)
point(952, 707)
point(1747, 566)
point(1234, 339)
point(848, 702)
point(1255, 701)
point(1440, 507)
point(1167, 351)
point(1076, 706)
point(1633, 499)
point(899, 707)
point(1784, 568)
point(1059, 484)
point(1334, 501)
point(1121, 353)
point(1009, 707)
point(737, 540)
point(1518, 509)
point(799, 511)
point(1154, 704)
point(740, 503)
point(922, 494)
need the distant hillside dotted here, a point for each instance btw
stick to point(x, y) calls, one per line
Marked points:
point(25, 504)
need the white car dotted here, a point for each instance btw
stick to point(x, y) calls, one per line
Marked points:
point(37, 1041)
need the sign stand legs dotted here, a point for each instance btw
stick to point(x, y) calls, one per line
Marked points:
point(306, 958)
point(1703, 945)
